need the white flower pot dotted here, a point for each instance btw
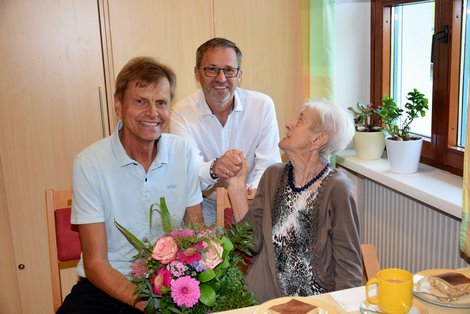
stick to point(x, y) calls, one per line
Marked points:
point(403, 156)
point(369, 145)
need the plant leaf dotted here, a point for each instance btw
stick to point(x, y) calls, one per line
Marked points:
point(207, 295)
point(206, 275)
point(166, 218)
point(139, 245)
point(227, 245)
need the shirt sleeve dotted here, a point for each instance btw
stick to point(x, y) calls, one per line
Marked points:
point(86, 205)
point(193, 185)
point(178, 127)
point(267, 152)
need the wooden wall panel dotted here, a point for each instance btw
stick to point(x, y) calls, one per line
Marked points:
point(268, 33)
point(170, 31)
point(9, 290)
point(49, 111)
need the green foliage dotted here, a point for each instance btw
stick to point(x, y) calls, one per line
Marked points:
point(391, 114)
point(363, 117)
point(241, 236)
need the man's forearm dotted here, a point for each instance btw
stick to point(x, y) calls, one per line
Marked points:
point(113, 283)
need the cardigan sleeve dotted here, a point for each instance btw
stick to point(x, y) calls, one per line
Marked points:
point(345, 235)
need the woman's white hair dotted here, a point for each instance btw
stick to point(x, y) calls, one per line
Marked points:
point(336, 122)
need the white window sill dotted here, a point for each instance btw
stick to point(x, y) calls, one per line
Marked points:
point(432, 186)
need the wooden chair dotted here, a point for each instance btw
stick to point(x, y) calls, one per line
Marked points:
point(370, 262)
point(224, 207)
point(64, 241)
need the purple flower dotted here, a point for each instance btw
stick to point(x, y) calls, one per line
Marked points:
point(198, 266)
point(185, 291)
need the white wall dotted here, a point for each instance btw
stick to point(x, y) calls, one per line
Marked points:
point(352, 74)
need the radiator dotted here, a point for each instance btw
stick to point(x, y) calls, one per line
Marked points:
point(406, 233)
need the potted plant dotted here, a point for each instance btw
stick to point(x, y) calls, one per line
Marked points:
point(403, 148)
point(369, 141)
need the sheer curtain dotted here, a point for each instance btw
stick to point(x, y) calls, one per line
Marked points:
point(465, 224)
point(321, 48)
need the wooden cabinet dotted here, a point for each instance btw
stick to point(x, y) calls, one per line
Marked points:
point(54, 71)
point(50, 75)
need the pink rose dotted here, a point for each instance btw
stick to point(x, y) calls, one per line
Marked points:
point(211, 258)
point(165, 250)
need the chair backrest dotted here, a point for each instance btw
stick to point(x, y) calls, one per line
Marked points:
point(224, 207)
point(370, 262)
point(64, 241)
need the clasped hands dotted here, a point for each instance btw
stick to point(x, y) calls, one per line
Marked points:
point(232, 167)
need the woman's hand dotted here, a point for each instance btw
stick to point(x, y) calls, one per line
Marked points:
point(237, 191)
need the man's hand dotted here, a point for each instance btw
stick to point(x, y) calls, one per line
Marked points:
point(229, 164)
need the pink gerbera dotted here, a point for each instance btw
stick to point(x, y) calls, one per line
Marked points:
point(161, 281)
point(185, 291)
point(189, 255)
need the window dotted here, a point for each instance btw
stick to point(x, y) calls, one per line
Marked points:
point(402, 42)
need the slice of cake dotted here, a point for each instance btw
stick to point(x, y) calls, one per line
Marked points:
point(294, 306)
point(451, 284)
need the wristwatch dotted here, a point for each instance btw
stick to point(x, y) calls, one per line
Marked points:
point(212, 170)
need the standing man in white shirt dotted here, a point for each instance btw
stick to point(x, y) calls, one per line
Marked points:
point(225, 121)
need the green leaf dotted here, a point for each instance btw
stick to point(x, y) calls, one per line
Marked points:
point(166, 218)
point(139, 245)
point(225, 263)
point(221, 270)
point(207, 295)
point(227, 245)
point(206, 275)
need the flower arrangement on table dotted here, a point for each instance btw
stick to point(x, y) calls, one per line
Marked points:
point(191, 269)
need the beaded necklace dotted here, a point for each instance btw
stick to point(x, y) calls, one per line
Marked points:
point(309, 183)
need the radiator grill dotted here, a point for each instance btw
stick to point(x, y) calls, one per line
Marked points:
point(408, 234)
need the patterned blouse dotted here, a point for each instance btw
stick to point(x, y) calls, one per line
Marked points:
point(294, 228)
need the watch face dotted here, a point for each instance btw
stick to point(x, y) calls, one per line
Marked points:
point(212, 171)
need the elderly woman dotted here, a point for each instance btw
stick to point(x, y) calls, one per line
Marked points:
point(306, 227)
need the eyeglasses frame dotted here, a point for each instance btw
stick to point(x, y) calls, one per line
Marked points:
point(219, 69)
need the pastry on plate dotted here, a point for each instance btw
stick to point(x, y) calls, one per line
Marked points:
point(294, 306)
point(451, 284)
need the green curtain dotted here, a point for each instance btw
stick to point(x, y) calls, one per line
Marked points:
point(465, 224)
point(322, 48)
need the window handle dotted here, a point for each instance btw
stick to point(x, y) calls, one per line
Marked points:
point(439, 36)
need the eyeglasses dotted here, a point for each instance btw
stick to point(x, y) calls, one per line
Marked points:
point(214, 71)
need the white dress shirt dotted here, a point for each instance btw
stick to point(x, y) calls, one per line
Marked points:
point(251, 126)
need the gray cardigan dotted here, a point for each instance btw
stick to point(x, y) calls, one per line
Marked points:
point(335, 252)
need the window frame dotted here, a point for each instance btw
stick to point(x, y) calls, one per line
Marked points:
point(440, 149)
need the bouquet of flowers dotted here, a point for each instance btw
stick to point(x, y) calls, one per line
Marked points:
point(191, 269)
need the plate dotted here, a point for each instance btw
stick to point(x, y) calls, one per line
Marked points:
point(462, 302)
point(324, 308)
point(417, 308)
